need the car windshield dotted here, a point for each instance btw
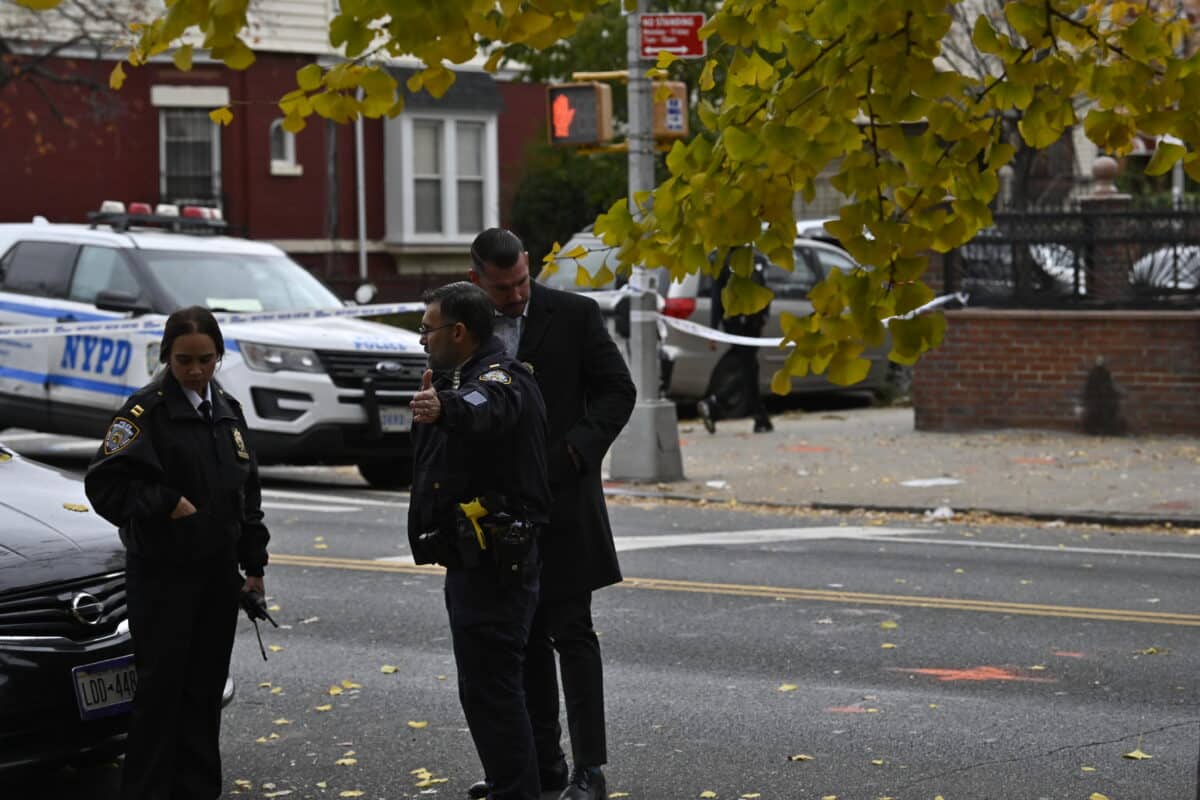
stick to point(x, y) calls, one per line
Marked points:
point(236, 281)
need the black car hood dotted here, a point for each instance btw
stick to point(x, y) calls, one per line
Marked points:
point(48, 530)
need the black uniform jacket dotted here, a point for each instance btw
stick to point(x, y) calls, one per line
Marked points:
point(489, 439)
point(158, 449)
point(589, 397)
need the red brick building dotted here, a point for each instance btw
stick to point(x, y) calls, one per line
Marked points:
point(432, 178)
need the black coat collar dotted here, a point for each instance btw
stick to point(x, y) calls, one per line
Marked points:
point(541, 309)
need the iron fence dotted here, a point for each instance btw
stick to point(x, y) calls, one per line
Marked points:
point(1082, 257)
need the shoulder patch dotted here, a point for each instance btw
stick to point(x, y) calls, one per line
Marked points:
point(121, 433)
point(496, 376)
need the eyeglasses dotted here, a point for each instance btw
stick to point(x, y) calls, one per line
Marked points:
point(425, 331)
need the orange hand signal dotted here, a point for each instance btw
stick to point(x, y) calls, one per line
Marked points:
point(563, 115)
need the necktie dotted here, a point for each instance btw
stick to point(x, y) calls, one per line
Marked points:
point(205, 410)
point(509, 331)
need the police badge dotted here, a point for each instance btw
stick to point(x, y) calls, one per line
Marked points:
point(119, 436)
point(240, 444)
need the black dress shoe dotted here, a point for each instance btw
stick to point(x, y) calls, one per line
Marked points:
point(763, 426)
point(587, 783)
point(479, 790)
point(554, 779)
point(705, 409)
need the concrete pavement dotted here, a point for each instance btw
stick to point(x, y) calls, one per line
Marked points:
point(872, 458)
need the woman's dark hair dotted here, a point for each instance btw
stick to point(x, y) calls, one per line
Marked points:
point(465, 302)
point(194, 319)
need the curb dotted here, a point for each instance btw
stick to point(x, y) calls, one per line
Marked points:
point(1114, 519)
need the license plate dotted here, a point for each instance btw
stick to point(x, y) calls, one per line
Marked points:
point(395, 419)
point(105, 688)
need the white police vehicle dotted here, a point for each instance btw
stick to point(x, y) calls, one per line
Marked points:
point(333, 391)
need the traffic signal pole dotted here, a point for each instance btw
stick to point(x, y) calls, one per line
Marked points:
point(648, 447)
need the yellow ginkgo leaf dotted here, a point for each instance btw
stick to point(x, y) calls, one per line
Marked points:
point(351, 793)
point(1097, 796)
point(348, 753)
point(889, 625)
point(389, 669)
point(1087, 769)
point(440, 677)
point(1137, 755)
point(417, 725)
point(800, 757)
point(221, 116)
point(273, 736)
point(887, 646)
point(318, 538)
point(346, 762)
point(335, 690)
point(265, 685)
point(276, 690)
point(1038, 667)
point(274, 607)
point(282, 721)
point(351, 685)
point(749, 795)
point(322, 785)
point(618, 794)
point(877, 762)
point(320, 547)
point(829, 797)
point(326, 707)
point(116, 79)
point(579, 251)
point(427, 782)
point(261, 740)
point(242, 783)
point(707, 794)
point(275, 648)
point(787, 687)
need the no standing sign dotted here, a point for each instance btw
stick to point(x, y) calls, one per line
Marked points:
point(678, 34)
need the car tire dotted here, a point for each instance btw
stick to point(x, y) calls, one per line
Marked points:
point(395, 473)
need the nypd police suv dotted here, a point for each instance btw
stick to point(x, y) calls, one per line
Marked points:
point(332, 391)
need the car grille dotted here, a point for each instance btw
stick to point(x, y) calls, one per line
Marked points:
point(349, 370)
point(46, 610)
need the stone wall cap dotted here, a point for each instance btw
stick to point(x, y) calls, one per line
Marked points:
point(1119, 315)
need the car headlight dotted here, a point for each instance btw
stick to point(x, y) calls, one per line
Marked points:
point(272, 358)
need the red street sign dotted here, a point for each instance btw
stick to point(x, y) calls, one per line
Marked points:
point(678, 34)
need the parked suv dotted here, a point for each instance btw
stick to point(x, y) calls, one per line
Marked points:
point(333, 392)
point(688, 359)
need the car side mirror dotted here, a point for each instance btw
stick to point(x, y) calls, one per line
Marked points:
point(121, 301)
point(365, 293)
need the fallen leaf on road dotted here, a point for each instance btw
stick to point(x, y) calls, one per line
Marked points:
point(242, 783)
point(326, 707)
point(1038, 667)
point(320, 547)
point(277, 690)
point(618, 794)
point(310, 620)
point(261, 740)
point(280, 793)
point(349, 753)
point(440, 677)
point(389, 669)
point(275, 648)
point(889, 625)
point(708, 794)
point(1154, 651)
point(346, 762)
point(275, 607)
point(265, 685)
point(788, 687)
point(318, 538)
point(1088, 769)
point(877, 762)
point(749, 795)
point(282, 721)
point(800, 757)
point(1137, 755)
point(1097, 796)
point(417, 725)
point(322, 785)
point(273, 736)
point(887, 646)
point(335, 690)
point(351, 793)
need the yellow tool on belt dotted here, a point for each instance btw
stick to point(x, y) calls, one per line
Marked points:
point(474, 511)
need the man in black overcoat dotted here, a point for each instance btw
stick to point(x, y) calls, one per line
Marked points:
point(589, 397)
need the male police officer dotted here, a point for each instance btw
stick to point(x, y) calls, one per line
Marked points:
point(479, 495)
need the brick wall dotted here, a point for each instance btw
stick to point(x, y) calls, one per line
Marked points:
point(1027, 369)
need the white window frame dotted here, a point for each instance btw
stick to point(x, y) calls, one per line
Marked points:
point(287, 165)
point(449, 176)
point(162, 153)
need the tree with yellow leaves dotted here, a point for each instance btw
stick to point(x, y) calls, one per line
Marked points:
point(805, 85)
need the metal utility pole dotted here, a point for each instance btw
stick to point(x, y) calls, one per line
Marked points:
point(648, 448)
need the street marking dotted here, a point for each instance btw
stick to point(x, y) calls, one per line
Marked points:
point(791, 593)
point(306, 507)
point(765, 536)
point(1096, 551)
point(333, 498)
point(974, 674)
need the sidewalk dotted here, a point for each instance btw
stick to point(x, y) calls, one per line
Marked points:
point(869, 458)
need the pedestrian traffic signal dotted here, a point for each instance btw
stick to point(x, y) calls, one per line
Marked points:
point(580, 113)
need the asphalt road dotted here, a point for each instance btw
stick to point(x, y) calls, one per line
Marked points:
point(899, 659)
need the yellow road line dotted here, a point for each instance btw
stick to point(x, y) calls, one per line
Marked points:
point(789, 593)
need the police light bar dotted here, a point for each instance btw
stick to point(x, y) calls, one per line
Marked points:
point(193, 219)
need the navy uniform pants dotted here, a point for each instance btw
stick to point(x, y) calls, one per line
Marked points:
point(182, 618)
point(489, 623)
point(565, 625)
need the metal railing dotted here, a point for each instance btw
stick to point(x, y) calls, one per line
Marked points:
point(1080, 257)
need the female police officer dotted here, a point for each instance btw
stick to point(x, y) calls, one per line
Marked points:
point(176, 474)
